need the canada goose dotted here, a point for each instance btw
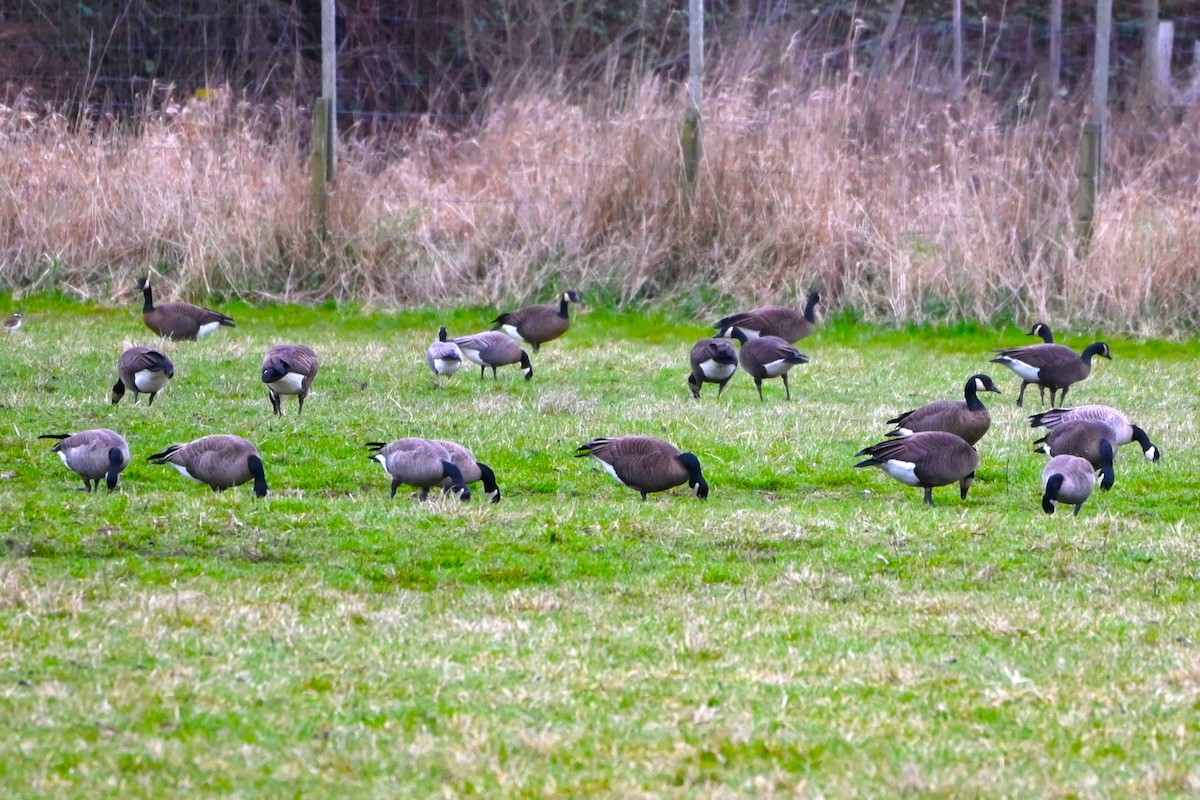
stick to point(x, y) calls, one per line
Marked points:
point(1070, 479)
point(95, 454)
point(179, 321)
point(443, 357)
point(142, 370)
point(538, 324)
point(472, 469)
point(421, 463)
point(494, 349)
point(767, 357)
point(1085, 438)
point(786, 323)
point(13, 323)
point(1050, 365)
point(713, 361)
point(1125, 431)
point(220, 460)
point(646, 463)
point(1043, 330)
point(926, 459)
point(289, 369)
point(969, 419)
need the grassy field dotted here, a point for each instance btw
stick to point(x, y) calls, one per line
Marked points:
point(811, 629)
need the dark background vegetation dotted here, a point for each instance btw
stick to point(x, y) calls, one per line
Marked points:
point(427, 57)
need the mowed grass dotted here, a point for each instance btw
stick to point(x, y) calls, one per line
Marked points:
point(811, 629)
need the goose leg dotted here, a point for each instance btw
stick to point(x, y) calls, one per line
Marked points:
point(787, 389)
point(758, 383)
point(482, 371)
point(1021, 394)
point(301, 409)
point(929, 495)
point(1077, 507)
point(395, 486)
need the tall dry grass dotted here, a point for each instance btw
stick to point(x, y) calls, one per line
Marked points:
point(893, 199)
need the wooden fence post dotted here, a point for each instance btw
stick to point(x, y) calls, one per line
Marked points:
point(1087, 169)
point(319, 193)
point(689, 138)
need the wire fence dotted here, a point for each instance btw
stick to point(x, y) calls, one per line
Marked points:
point(398, 62)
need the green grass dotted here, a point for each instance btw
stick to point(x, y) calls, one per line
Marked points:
point(811, 629)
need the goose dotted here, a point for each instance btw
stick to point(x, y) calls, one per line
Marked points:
point(471, 468)
point(1070, 479)
point(421, 463)
point(142, 370)
point(1085, 438)
point(1051, 365)
point(646, 463)
point(538, 324)
point(289, 369)
point(221, 461)
point(967, 418)
point(713, 361)
point(494, 349)
point(443, 357)
point(1043, 331)
point(179, 321)
point(767, 357)
point(13, 323)
point(786, 323)
point(93, 454)
point(1125, 431)
point(926, 459)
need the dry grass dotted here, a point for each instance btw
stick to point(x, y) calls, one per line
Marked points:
point(900, 204)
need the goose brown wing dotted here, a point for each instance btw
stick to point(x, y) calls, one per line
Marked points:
point(1040, 356)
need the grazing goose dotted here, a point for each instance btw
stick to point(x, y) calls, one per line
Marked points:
point(289, 369)
point(646, 463)
point(767, 357)
point(713, 361)
point(220, 460)
point(1085, 438)
point(443, 357)
point(786, 323)
point(1070, 479)
point(1125, 431)
point(538, 324)
point(95, 454)
point(1050, 365)
point(13, 323)
point(420, 463)
point(494, 349)
point(471, 468)
point(926, 459)
point(142, 370)
point(179, 321)
point(969, 419)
